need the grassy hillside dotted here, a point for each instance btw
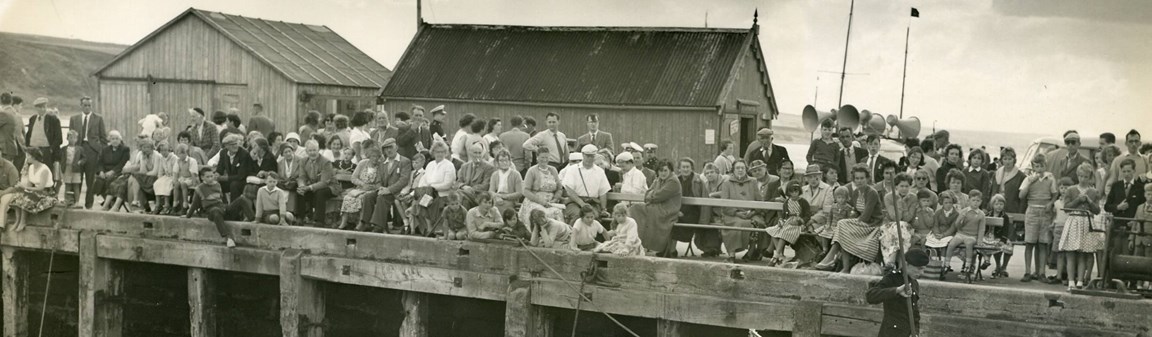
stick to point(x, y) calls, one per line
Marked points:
point(56, 68)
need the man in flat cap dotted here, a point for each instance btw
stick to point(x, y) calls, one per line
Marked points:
point(585, 185)
point(894, 293)
point(763, 149)
point(44, 132)
point(393, 177)
point(594, 136)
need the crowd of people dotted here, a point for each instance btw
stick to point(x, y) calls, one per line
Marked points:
point(406, 173)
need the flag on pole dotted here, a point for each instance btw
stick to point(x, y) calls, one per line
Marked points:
point(915, 13)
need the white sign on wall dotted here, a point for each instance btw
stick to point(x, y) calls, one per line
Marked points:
point(709, 136)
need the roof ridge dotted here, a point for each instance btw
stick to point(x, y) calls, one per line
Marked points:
point(594, 28)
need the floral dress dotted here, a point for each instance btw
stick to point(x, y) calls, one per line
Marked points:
point(545, 184)
point(37, 175)
point(352, 201)
point(625, 243)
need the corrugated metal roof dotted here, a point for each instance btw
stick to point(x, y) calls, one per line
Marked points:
point(303, 53)
point(581, 65)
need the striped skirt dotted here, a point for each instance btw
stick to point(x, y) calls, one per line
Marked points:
point(858, 238)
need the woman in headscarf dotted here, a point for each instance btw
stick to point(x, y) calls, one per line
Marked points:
point(857, 238)
point(33, 194)
point(739, 187)
point(661, 208)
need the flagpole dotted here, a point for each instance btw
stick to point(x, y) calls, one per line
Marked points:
point(904, 77)
point(844, 68)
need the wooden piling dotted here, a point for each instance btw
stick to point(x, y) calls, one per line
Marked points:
point(201, 302)
point(301, 300)
point(808, 317)
point(415, 322)
point(101, 292)
point(15, 294)
point(666, 328)
point(521, 318)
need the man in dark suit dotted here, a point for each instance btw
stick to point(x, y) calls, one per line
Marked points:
point(392, 177)
point(11, 144)
point(601, 139)
point(91, 139)
point(894, 294)
point(874, 160)
point(44, 133)
point(848, 156)
point(1124, 197)
point(234, 167)
point(763, 149)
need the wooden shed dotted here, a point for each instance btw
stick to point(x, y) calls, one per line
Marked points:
point(218, 61)
point(685, 89)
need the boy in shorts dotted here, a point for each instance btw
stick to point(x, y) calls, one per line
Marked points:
point(1039, 189)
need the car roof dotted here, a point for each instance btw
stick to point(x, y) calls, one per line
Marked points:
point(1085, 142)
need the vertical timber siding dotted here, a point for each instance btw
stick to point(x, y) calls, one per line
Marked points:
point(120, 100)
point(678, 132)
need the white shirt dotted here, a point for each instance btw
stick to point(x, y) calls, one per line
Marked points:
point(459, 151)
point(549, 139)
point(633, 182)
point(439, 175)
point(588, 183)
point(356, 136)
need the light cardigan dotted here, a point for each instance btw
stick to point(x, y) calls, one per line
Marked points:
point(514, 183)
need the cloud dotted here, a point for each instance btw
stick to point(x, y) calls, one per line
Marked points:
point(1129, 11)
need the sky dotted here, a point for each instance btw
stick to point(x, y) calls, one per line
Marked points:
point(1036, 66)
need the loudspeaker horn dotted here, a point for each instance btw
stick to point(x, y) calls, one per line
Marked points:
point(848, 116)
point(892, 119)
point(874, 124)
point(909, 127)
point(813, 118)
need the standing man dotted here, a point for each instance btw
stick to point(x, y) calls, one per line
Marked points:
point(91, 142)
point(514, 139)
point(875, 161)
point(259, 122)
point(11, 144)
point(437, 126)
point(849, 155)
point(44, 133)
point(771, 154)
point(384, 129)
point(392, 177)
point(601, 139)
point(1132, 142)
point(420, 125)
point(1064, 161)
point(895, 294)
point(530, 125)
point(554, 140)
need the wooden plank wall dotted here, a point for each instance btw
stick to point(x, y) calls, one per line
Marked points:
point(190, 50)
point(119, 101)
point(679, 133)
point(739, 296)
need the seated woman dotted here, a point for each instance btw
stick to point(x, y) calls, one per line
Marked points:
point(109, 168)
point(738, 187)
point(548, 233)
point(661, 209)
point(483, 221)
point(33, 194)
point(144, 167)
point(437, 180)
point(541, 188)
point(623, 240)
point(364, 180)
point(505, 182)
point(857, 238)
point(405, 198)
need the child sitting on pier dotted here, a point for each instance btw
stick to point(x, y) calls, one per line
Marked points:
point(585, 229)
point(209, 200)
point(272, 203)
point(945, 219)
point(624, 240)
point(184, 168)
point(925, 219)
point(514, 229)
point(1000, 237)
point(454, 217)
point(840, 210)
point(165, 179)
point(548, 233)
point(787, 230)
point(965, 230)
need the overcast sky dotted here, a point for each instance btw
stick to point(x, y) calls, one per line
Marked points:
point(1031, 65)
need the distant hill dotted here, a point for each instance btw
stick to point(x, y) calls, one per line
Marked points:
point(57, 68)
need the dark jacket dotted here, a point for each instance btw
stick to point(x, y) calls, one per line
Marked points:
point(877, 172)
point(51, 130)
point(895, 321)
point(268, 163)
point(942, 174)
point(113, 158)
point(238, 169)
point(842, 170)
point(773, 160)
point(872, 213)
point(1134, 195)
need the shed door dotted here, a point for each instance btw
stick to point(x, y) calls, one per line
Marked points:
point(123, 103)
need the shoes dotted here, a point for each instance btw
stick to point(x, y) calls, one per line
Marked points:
point(1027, 278)
point(231, 243)
point(985, 265)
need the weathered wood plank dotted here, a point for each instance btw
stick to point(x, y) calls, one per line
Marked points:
point(15, 285)
point(42, 238)
point(406, 277)
point(666, 328)
point(807, 318)
point(416, 307)
point(101, 291)
point(302, 306)
point(545, 321)
point(521, 318)
point(864, 321)
point(210, 256)
point(201, 302)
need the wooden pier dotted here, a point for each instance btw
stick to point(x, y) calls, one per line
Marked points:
point(672, 292)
